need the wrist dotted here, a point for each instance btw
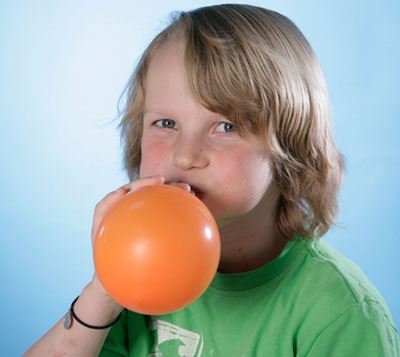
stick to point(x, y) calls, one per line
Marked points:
point(95, 306)
point(71, 316)
point(96, 287)
point(96, 290)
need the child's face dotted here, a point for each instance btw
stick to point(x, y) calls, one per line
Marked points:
point(184, 141)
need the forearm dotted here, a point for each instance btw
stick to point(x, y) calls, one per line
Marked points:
point(79, 340)
point(94, 306)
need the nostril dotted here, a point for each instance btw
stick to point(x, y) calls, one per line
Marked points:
point(189, 156)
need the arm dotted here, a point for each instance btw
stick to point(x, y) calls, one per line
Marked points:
point(94, 305)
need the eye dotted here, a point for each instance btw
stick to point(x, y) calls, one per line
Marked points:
point(165, 123)
point(225, 127)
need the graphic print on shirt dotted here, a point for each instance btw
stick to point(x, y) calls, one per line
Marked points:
point(172, 340)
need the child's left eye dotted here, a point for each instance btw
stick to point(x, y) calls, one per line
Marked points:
point(225, 127)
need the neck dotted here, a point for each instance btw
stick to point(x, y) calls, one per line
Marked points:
point(251, 240)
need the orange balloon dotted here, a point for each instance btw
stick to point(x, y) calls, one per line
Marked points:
point(157, 250)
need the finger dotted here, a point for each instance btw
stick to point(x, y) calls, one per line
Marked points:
point(109, 200)
point(103, 206)
point(182, 185)
point(143, 182)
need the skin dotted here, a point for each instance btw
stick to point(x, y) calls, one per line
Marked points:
point(184, 142)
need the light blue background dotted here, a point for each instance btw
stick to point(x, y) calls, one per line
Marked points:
point(63, 66)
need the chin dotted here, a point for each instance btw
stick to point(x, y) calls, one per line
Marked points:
point(230, 213)
point(229, 209)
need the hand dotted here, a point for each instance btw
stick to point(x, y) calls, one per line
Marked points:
point(110, 199)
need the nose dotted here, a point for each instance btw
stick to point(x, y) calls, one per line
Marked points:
point(190, 154)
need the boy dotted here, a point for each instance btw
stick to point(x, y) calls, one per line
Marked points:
point(229, 102)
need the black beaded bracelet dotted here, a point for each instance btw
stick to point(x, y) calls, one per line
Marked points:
point(68, 318)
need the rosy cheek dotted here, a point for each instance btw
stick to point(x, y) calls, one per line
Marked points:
point(242, 176)
point(153, 157)
point(235, 166)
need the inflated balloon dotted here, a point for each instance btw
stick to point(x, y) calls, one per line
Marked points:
point(157, 250)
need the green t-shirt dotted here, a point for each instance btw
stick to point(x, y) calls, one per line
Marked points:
point(309, 301)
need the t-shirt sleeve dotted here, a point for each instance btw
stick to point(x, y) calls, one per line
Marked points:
point(362, 330)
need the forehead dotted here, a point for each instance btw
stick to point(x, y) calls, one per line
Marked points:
point(167, 91)
point(166, 78)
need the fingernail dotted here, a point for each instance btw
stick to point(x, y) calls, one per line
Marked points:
point(155, 177)
point(122, 188)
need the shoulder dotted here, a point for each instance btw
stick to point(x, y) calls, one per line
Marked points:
point(343, 274)
point(337, 299)
point(334, 280)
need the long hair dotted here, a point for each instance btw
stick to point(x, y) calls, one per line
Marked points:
point(256, 68)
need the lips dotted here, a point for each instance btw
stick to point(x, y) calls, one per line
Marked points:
point(197, 192)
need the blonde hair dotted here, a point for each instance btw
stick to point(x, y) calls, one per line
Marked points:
point(255, 67)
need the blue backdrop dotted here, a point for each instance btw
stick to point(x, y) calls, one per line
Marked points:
point(63, 66)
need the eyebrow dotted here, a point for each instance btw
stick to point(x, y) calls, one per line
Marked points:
point(158, 111)
point(168, 112)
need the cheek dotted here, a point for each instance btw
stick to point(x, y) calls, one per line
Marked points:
point(153, 157)
point(244, 177)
